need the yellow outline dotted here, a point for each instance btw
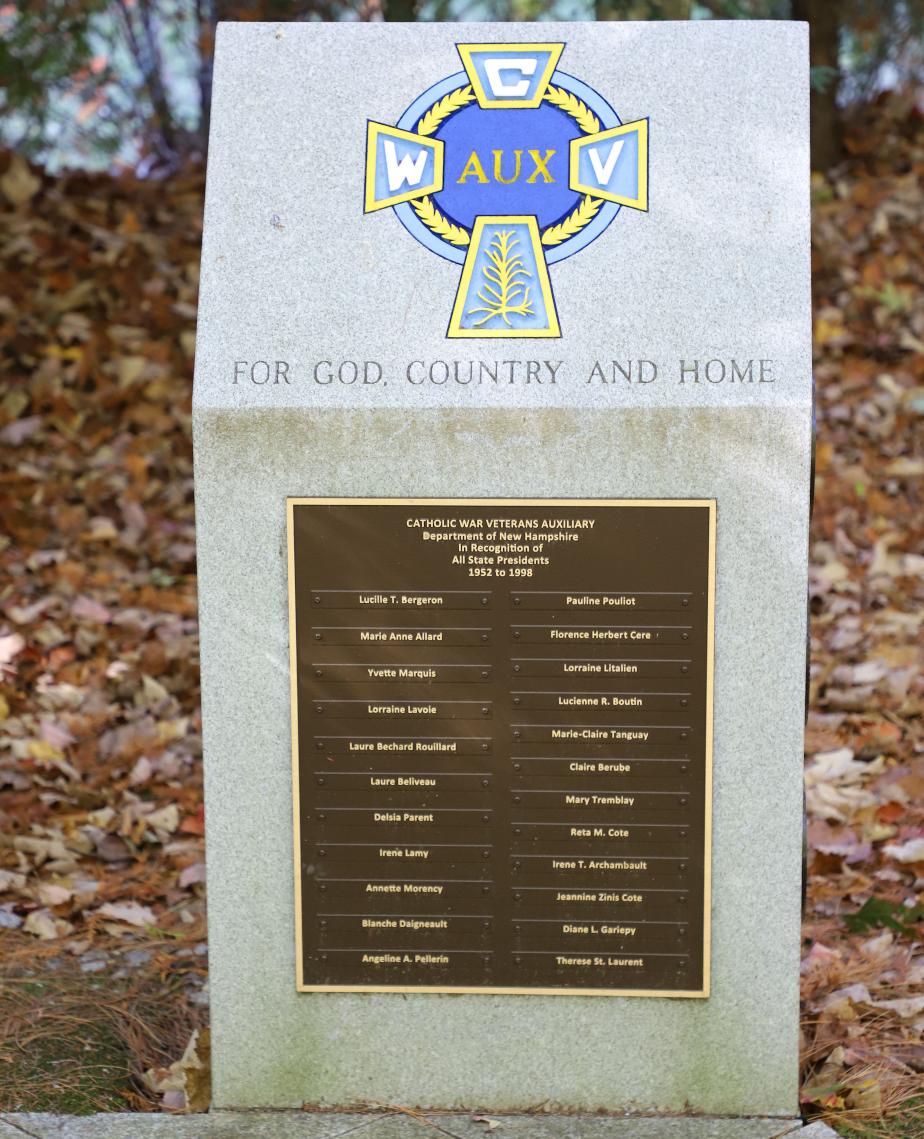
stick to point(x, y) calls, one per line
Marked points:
point(373, 131)
point(708, 744)
point(456, 332)
point(466, 51)
point(293, 713)
point(695, 994)
point(639, 127)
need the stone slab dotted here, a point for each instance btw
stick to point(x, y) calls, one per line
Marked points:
point(216, 1125)
point(290, 1125)
point(735, 1051)
point(291, 270)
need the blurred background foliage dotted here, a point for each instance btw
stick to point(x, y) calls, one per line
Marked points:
point(116, 84)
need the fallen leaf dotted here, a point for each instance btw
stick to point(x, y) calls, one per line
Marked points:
point(130, 912)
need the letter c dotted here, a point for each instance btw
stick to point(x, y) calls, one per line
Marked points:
point(501, 89)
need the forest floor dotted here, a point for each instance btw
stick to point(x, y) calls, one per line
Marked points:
point(104, 995)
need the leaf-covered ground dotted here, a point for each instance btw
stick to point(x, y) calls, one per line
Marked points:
point(863, 970)
point(102, 903)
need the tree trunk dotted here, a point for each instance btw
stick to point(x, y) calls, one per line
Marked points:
point(206, 19)
point(824, 52)
point(401, 11)
point(642, 9)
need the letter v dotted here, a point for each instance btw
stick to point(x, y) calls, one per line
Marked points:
point(604, 170)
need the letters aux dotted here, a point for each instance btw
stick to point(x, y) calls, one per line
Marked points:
point(542, 187)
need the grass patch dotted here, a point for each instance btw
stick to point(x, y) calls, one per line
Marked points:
point(80, 1043)
point(905, 1122)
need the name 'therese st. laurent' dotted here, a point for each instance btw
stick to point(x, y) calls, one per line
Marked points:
point(615, 962)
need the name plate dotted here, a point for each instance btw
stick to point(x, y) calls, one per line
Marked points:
point(502, 744)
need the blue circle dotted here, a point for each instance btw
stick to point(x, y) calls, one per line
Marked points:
point(490, 155)
point(493, 128)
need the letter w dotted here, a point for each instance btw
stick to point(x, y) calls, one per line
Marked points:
point(410, 170)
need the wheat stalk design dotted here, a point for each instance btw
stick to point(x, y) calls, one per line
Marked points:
point(505, 292)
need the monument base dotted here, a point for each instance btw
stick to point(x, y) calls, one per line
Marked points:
point(392, 1125)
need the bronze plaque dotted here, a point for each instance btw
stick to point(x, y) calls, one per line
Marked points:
point(502, 744)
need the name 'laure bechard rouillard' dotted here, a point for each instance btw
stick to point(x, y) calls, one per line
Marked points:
point(500, 373)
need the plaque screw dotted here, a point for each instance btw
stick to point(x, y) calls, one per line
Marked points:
point(319, 672)
point(484, 636)
point(517, 831)
point(485, 709)
point(485, 925)
point(683, 802)
point(318, 708)
point(484, 601)
point(516, 865)
point(323, 957)
point(487, 960)
point(486, 889)
point(516, 635)
point(322, 816)
point(683, 735)
point(516, 929)
point(683, 834)
point(484, 674)
point(518, 897)
point(684, 768)
point(685, 602)
point(516, 668)
point(317, 600)
point(684, 703)
point(323, 889)
point(518, 960)
point(518, 767)
point(684, 668)
point(683, 868)
point(517, 700)
point(516, 600)
point(320, 780)
point(321, 853)
point(517, 734)
point(319, 746)
point(486, 854)
point(684, 636)
point(517, 799)
point(485, 818)
point(322, 923)
point(484, 747)
point(317, 636)
point(486, 783)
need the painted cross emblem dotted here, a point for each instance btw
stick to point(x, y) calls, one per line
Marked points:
point(506, 168)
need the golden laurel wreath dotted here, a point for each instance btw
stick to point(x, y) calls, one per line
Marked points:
point(436, 221)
